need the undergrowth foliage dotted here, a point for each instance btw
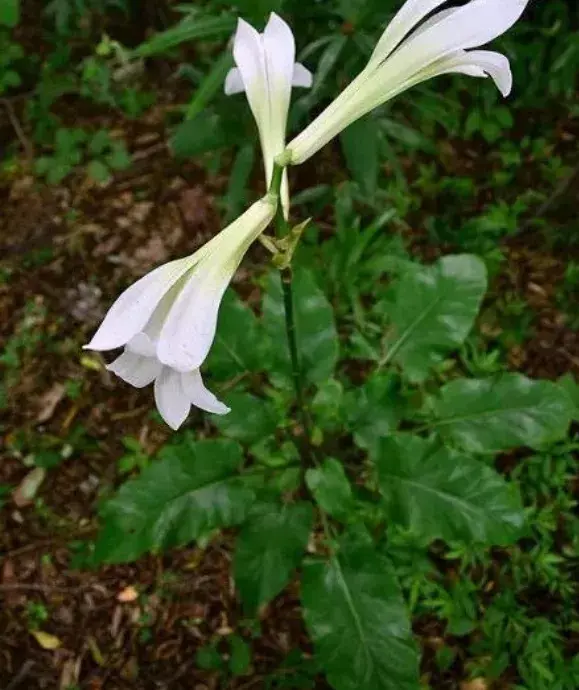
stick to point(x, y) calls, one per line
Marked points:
point(398, 463)
point(420, 478)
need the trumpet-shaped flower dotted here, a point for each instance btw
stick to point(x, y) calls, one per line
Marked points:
point(411, 51)
point(266, 70)
point(166, 321)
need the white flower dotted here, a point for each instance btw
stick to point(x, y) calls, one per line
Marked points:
point(266, 70)
point(409, 53)
point(166, 321)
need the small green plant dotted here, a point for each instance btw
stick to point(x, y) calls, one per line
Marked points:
point(74, 146)
point(36, 614)
point(230, 657)
point(135, 459)
point(11, 53)
point(567, 294)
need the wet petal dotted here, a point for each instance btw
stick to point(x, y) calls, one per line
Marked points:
point(136, 370)
point(172, 402)
point(200, 396)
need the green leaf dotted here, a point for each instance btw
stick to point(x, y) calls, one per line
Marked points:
point(239, 177)
point(208, 658)
point(497, 414)
point(240, 656)
point(440, 493)
point(251, 419)
point(330, 487)
point(356, 617)
point(316, 334)
point(571, 387)
point(241, 344)
point(201, 134)
point(98, 171)
point(5, 491)
point(270, 546)
point(189, 29)
point(9, 13)
point(327, 404)
point(210, 86)
point(194, 488)
point(374, 409)
point(360, 143)
point(431, 312)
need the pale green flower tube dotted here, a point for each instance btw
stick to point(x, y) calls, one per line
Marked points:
point(409, 53)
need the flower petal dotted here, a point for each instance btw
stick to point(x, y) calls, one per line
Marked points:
point(142, 344)
point(302, 76)
point(481, 63)
point(200, 396)
point(133, 309)
point(280, 53)
point(234, 82)
point(172, 403)
point(136, 370)
point(412, 12)
point(470, 26)
point(189, 329)
point(250, 59)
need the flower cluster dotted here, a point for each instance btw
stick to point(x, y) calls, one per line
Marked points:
point(166, 321)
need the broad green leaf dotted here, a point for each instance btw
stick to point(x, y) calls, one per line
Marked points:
point(240, 345)
point(431, 312)
point(360, 143)
point(189, 29)
point(316, 333)
point(9, 13)
point(269, 548)
point(571, 387)
point(192, 489)
point(357, 619)
point(497, 414)
point(441, 493)
point(374, 409)
point(330, 487)
point(327, 404)
point(251, 419)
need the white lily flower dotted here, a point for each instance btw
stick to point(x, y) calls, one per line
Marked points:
point(409, 53)
point(266, 70)
point(167, 320)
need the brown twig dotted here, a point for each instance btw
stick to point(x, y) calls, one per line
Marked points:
point(561, 188)
point(24, 587)
point(21, 675)
point(26, 145)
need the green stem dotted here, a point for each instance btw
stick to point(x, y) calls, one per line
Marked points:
point(286, 276)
